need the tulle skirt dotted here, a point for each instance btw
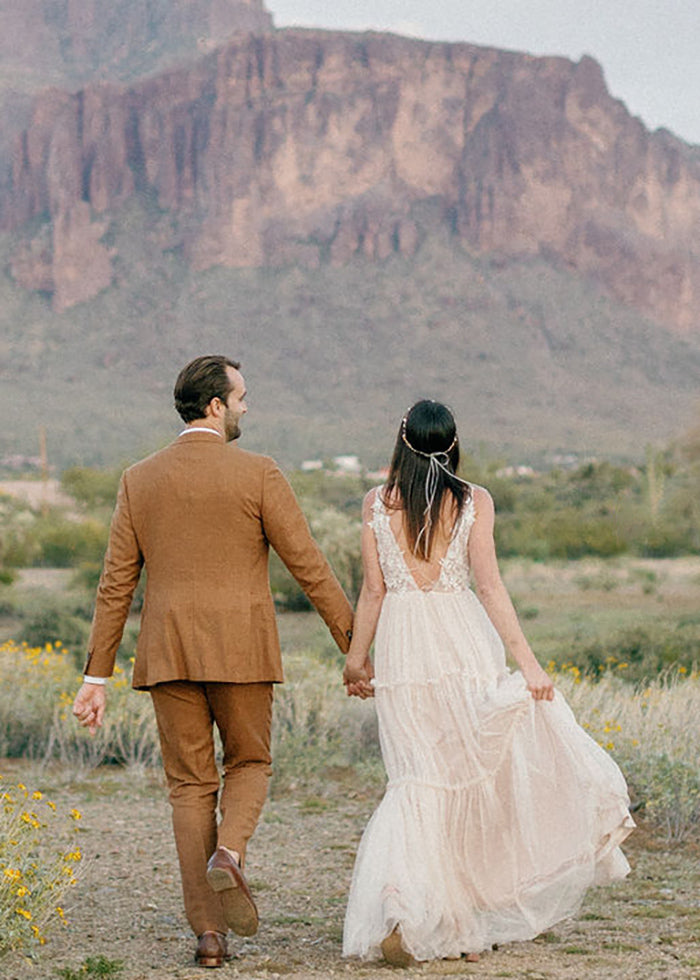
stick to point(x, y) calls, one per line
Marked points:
point(500, 811)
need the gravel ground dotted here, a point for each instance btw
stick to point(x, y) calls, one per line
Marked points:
point(127, 906)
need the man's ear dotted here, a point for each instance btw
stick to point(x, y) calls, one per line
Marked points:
point(214, 408)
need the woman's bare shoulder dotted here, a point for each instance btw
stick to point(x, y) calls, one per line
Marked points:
point(369, 500)
point(479, 492)
point(371, 495)
point(483, 501)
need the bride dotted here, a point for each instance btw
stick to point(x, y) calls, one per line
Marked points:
point(499, 810)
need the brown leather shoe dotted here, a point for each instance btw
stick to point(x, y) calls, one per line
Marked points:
point(393, 950)
point(226, 878)
point(211, 950)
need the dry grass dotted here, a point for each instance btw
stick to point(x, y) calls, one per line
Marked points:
point(128, 906)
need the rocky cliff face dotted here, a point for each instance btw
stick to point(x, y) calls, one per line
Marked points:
point(308, 147)
point(68, 41)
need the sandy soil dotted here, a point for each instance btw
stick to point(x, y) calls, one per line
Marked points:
point(127, 906)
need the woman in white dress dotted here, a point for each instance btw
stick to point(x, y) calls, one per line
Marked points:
point(499, 810)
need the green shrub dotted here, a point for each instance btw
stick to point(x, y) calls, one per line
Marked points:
point(668, 789)
point(559, 534)
point(91, 488)
point(65, 544)
point(18, 546)
point(52, 617)
point(338, 536)
point(36, 867)
point(664, 540)
point(645, 652)
point(651, 732)
point(288, 595)
point(92, 966)
point(572, 535)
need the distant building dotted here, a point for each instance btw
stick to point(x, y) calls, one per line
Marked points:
point(516, 471)
point(36, 493)
point(309, 465)
point(348, 464)
point(20, 463)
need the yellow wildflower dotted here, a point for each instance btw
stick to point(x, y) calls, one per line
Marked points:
point(25, 913)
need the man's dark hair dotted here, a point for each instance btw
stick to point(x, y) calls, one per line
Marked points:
point(199, 381)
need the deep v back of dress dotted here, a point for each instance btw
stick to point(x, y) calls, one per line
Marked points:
point(403, 570)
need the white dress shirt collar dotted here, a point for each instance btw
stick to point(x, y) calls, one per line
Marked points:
point(200, 428)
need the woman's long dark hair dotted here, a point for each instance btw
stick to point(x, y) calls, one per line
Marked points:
point(428, 427)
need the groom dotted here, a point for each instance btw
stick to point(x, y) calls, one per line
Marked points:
point(199, 516)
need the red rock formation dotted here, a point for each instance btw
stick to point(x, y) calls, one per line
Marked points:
point(306, 147)
point(64, 41)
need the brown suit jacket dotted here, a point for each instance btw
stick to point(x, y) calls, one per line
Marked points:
point(200, 516)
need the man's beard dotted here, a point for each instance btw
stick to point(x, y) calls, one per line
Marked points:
point(232, 429)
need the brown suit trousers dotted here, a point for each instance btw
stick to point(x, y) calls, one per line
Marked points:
point(200, 515)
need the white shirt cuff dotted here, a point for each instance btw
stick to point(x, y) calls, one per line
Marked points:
point(89, 679)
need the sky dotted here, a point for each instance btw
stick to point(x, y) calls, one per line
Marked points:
point(649, 49)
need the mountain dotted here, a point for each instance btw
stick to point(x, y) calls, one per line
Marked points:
point(534, 360)
point(363, 218)
point(303, 147)
point(70, 42)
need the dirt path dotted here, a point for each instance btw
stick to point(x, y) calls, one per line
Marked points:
point(127, 906)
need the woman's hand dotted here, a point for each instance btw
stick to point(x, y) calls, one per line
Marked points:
point(539, 683)
point(357, 678)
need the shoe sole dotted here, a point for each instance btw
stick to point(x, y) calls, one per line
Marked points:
point(240, 913)
point(209, 961)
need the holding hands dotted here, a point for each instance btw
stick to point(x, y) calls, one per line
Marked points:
point(358, 676)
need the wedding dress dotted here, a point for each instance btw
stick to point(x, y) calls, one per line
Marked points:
point(499, 811)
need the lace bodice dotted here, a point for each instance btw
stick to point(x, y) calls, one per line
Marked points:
point(454, 571)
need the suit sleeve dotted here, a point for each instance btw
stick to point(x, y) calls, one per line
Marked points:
point(288, 532)
point(120, 574)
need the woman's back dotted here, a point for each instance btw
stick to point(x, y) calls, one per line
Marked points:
point(447, 568)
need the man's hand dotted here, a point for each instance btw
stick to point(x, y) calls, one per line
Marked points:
point(89, 706)
point(357, 679)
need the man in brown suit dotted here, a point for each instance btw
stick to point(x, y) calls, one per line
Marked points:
point(200, 515)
